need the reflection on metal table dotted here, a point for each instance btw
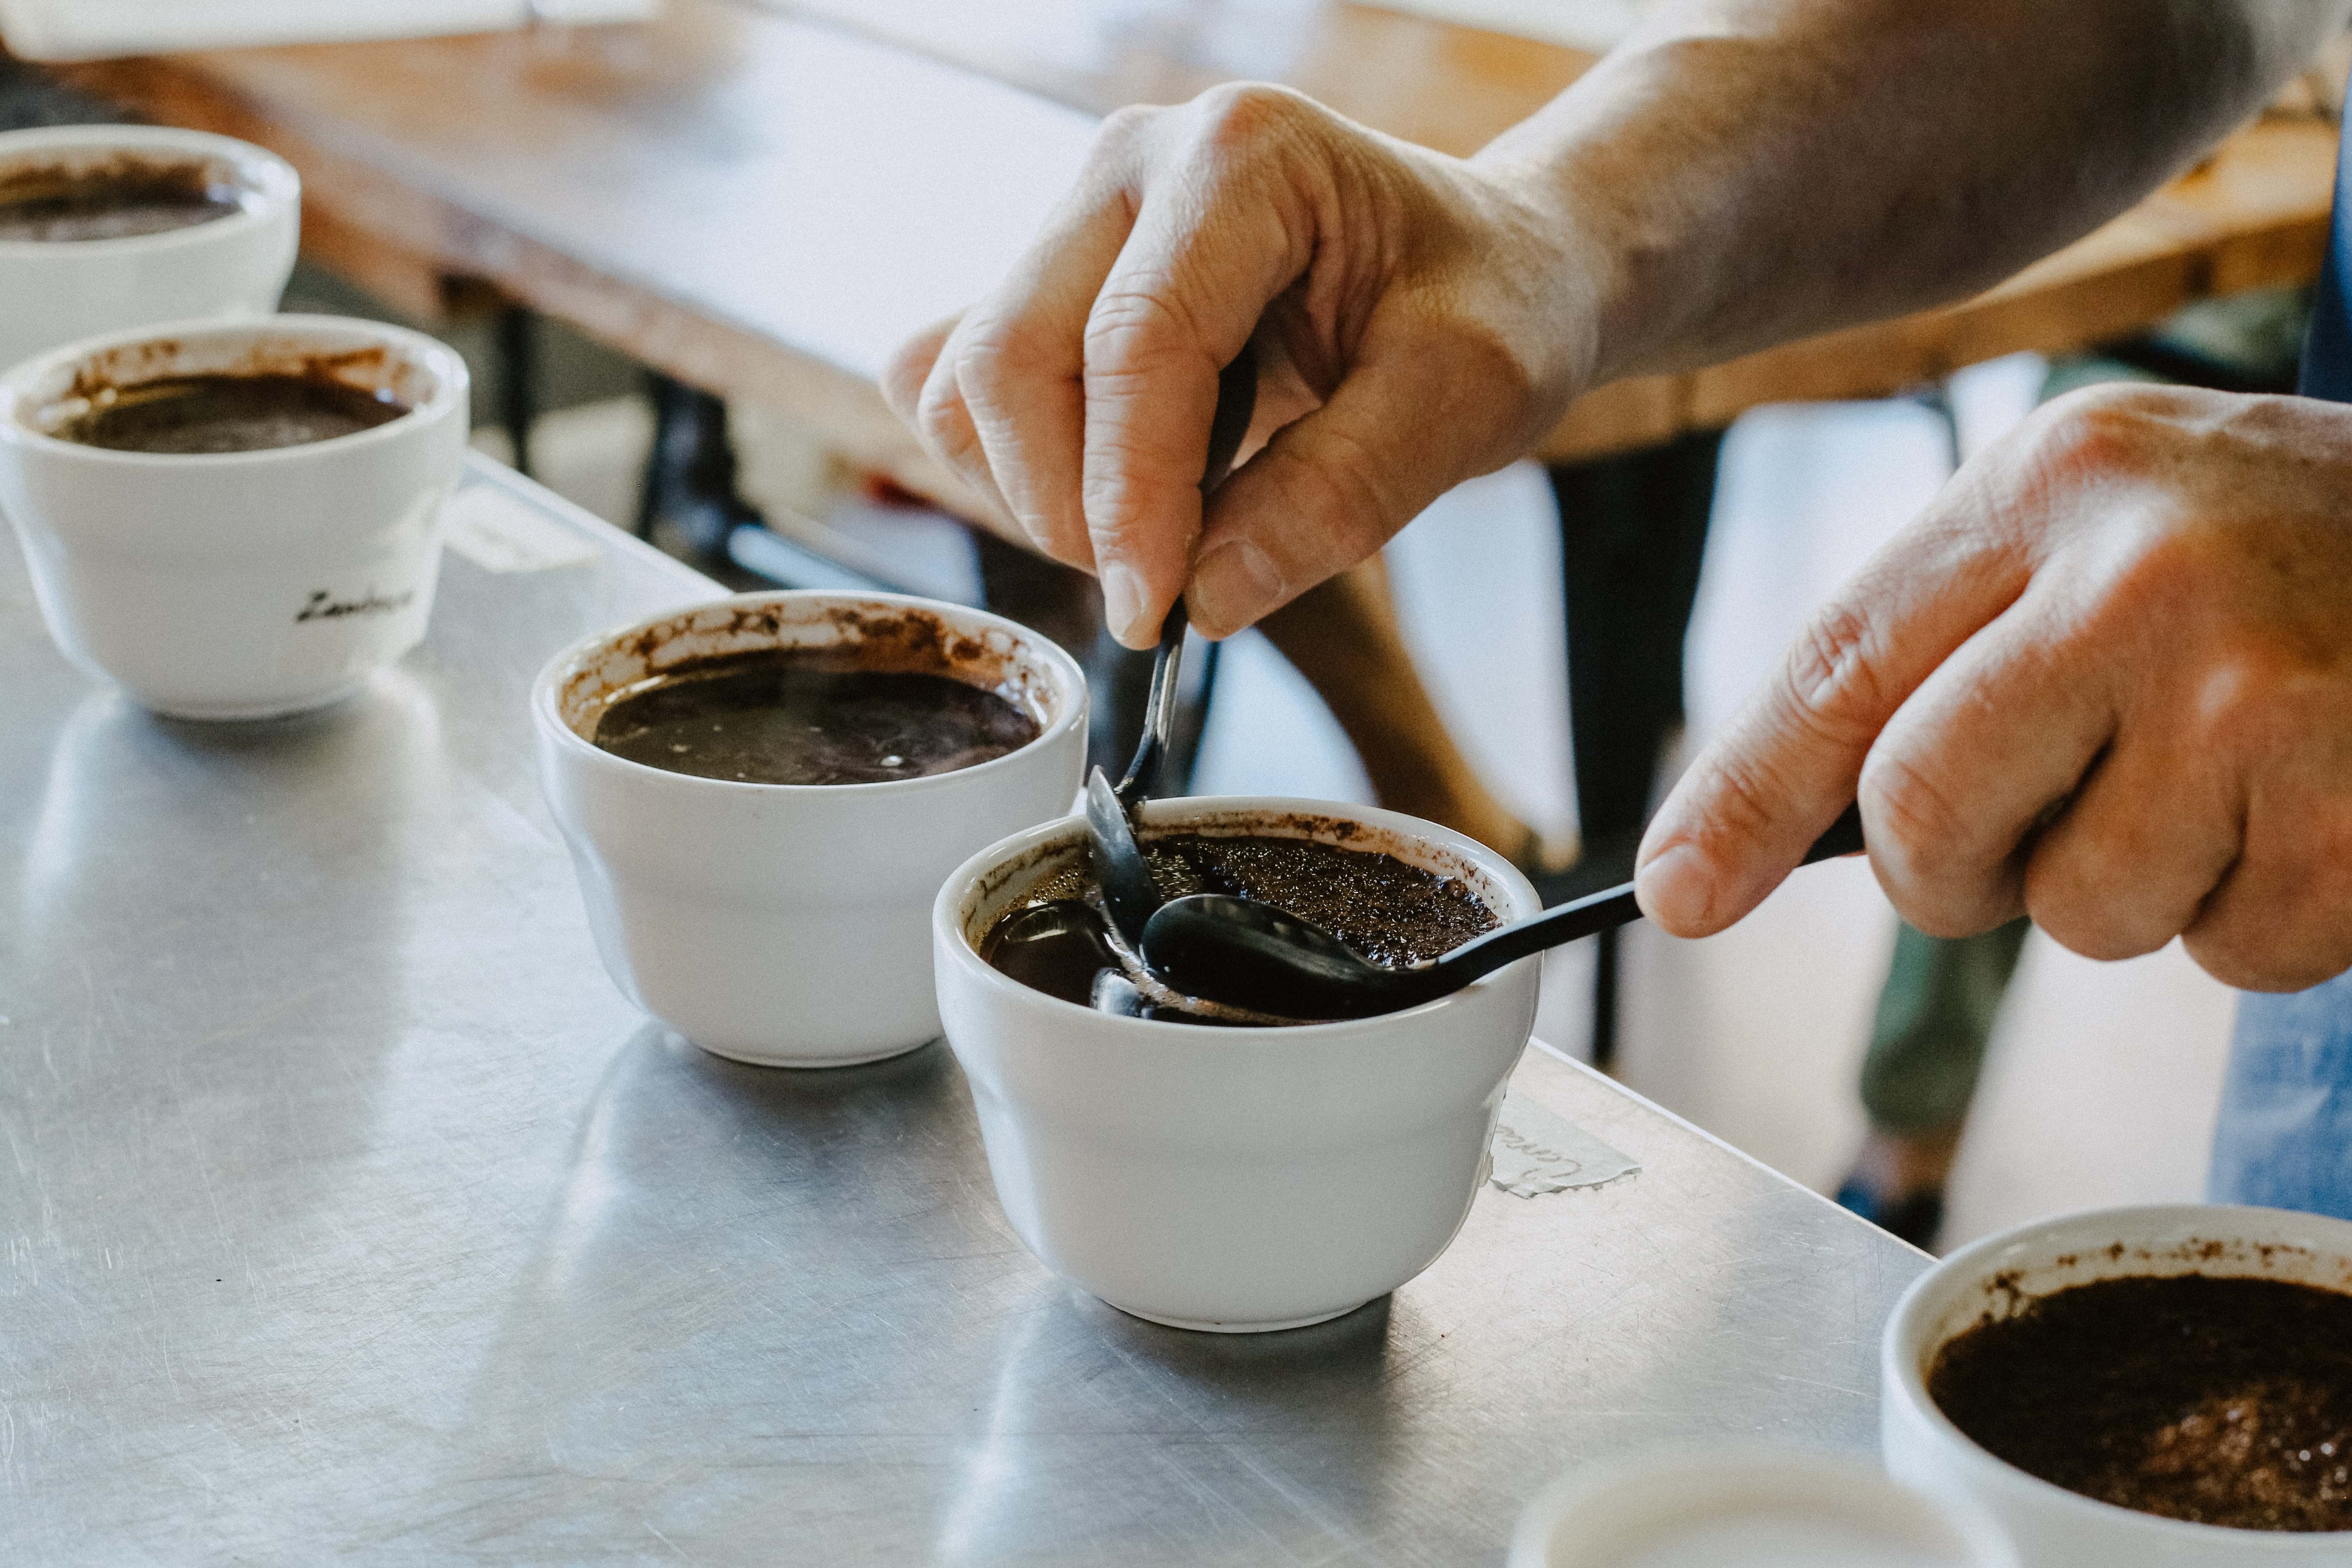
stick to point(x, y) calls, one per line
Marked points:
point(348, 1212)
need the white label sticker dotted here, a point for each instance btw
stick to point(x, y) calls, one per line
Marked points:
point(1536, 1152)
point(500, 533)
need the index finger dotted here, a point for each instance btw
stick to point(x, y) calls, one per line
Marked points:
point(1742, 816)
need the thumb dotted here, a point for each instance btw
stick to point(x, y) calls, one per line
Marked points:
point(1744, 814)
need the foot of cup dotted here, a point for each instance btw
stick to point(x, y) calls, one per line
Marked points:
point(757, 1059)
point(1205, 1326)
point(219, 712)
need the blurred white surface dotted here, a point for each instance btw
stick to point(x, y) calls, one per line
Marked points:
point(98, 29)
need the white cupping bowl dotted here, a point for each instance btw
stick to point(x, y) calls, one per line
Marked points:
point(1233, 1179)
point(58, 291)
point(236, 584)
point(788, 924)
point(1747, 1505)
point(2051, 1527)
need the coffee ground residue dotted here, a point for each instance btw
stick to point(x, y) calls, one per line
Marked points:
point(111, 200)
point(213, 414)
point(2222, 1401)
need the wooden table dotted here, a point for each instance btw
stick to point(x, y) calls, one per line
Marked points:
point(761, 203)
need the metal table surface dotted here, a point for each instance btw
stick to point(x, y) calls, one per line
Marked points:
point(348, 1212)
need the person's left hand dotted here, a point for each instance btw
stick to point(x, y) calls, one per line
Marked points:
point(2106, 680)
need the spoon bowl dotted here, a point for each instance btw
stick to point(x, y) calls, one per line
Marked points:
point(1248, 953)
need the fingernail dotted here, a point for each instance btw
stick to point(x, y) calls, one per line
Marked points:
point(1233, 586)
point(1678, 889)
point(1122, 593)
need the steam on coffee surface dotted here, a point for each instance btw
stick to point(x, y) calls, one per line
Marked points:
point(1391, 912)
point(2222, 1401)
point(111, 200)
point(810, 716)
point(194, 415)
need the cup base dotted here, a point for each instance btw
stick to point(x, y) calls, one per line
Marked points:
point(1209, 1326)
point(805, 1063)
point(227, 713)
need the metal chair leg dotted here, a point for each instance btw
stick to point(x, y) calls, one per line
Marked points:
point(516, 336)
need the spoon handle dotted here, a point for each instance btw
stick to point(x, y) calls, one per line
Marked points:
point(1596, 912)
point(1236, 401)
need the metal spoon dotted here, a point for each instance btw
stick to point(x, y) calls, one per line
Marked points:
point(1120, 867)
point(1248, 953)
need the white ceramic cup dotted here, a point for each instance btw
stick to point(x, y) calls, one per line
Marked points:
point(60, 291)
point(1747, 1505)
point(235, 584)
point(2051, 1527)
point(1233, 1179)
point(788, 924)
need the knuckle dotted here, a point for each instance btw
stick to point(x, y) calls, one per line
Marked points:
point(1121, 130)
point(1918, 831)
point(2085, 917)
point(1832, 666)
point(2103, 429)
point(1344, 506)
point(943, 421)
point(2244, 962)
point(1240, 117)
point(2245, 702)
point(1131, 327)
point(2081, 889)
point(1002, 349)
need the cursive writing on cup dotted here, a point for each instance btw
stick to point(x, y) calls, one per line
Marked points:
point(324, 606)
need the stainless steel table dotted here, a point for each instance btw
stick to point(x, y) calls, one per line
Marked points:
point(347, 1212)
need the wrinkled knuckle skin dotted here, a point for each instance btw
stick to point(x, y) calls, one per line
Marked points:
point(1126, 330)
point(1831, 667)
point(2100, 430)
point(1240, 116)
point(944, 424)
point(1916, 836)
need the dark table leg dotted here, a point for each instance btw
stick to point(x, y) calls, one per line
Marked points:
point(517, 339)
point(1632, 528)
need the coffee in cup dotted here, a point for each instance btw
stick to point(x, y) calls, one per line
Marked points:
point(128, 193)
point(1388, 910)
point(228, 412)
point(2217, 1399)
point(810, 716)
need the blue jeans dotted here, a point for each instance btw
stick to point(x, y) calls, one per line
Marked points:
point(2285, 1134)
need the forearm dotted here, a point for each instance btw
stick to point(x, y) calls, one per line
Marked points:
point(1745, 172)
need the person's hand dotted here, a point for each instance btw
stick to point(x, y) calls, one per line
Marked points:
point(1419, 321)
point(2104, 679)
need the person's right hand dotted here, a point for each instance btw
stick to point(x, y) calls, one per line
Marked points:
point(1420, 320)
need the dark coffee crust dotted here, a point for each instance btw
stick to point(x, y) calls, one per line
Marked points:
point(2216, 1399)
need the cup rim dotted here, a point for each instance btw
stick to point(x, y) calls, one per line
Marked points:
point(1900, 1372)
point(549, 718)
point(271, 177)
point(451, 384)
point(1749, 1464)
point(946, 918)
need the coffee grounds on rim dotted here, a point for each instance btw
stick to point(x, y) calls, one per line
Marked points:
point(810, 716)
point(195, 415)
point(116, 200)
